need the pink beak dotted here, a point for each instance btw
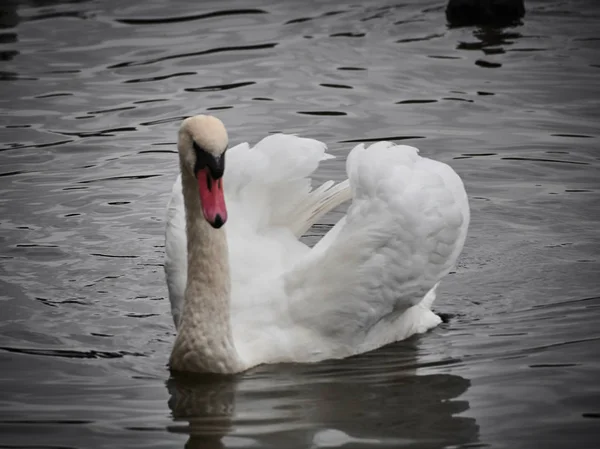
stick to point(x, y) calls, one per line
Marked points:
point(212, 198)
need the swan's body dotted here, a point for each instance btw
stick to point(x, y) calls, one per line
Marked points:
point(251, 293)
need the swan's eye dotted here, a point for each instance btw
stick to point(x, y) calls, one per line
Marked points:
point(200, 156)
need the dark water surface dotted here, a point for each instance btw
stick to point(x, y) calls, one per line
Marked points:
point(91, 95)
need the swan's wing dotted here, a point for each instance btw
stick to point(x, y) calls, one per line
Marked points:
point(176, 250)
point(269, 185)
point(270, 203)
point(403, 232)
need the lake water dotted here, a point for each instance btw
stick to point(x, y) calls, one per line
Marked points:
point(91, 96)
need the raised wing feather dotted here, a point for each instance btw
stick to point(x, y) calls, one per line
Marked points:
point(403, 232)
point(269, 185)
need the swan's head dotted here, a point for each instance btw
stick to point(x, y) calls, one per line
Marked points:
point(202, 145)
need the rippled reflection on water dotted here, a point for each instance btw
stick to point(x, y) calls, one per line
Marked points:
point(91, 96)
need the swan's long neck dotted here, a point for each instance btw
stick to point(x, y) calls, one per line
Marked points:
point(204, 340)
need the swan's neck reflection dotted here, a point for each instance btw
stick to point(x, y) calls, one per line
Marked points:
point(206, 403)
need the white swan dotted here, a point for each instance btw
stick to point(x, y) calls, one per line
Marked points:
point(249, 292)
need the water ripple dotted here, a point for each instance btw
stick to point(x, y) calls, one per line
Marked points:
point(416, 101)
point(544, 160)
point(219, 87)
point(348, 35)
point(420, 39)
point(195, 53)
point(118, 178)
point(55, 94)
point(576, 136)
point(379, 139)
point(487, 64)
point(109, 132)
point(336, 86)
point(323, 113)
point(190, 18)
point(298, 20)
point(159, 78)
point(73, 354)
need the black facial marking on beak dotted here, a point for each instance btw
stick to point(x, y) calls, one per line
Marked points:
point(216, 164)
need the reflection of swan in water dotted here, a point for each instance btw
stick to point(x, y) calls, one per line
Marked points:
point(373, 399)
point(206, 402)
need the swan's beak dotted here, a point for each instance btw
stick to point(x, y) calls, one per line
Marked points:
point(212, 197)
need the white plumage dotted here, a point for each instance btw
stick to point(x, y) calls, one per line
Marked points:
point(372, 278)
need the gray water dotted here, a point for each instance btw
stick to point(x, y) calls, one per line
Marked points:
point(91, 95)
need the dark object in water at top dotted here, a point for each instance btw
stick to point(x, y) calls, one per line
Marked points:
point(484, 12)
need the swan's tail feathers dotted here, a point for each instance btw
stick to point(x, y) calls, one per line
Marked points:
point(427, 301)
point(320, 201)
